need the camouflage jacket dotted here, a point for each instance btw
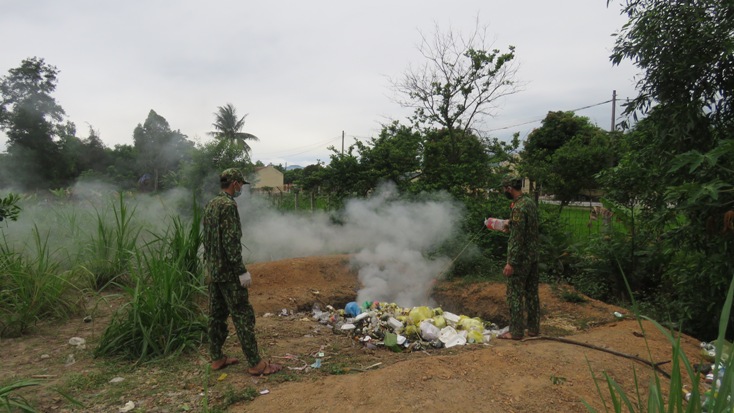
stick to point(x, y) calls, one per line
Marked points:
point(522, 247)
point(221, 238)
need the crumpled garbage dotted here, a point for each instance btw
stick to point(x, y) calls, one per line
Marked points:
point(379, 324)
point(713, 375)
point(127, 407)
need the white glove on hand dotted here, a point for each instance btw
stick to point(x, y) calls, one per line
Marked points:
point(486, 220)
point(246, 279)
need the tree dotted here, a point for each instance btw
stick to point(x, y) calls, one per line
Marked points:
point(88, 155)
point(564, 155)
point(122, 168)
point(200, 172)
point(394, 156)
point(467, 177)
point(684, 50)
point(228, 127)
point(31, 117)
point(160, 150)
point(459, 82)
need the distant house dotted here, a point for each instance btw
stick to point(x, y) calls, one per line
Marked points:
point(267, 177)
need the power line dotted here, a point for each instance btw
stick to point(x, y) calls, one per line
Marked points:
point(540, 119)
point(307, 148)
point(311, 147)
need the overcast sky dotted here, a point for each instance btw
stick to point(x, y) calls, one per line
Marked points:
point(303, 71)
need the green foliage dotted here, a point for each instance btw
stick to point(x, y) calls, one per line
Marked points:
point(31, 119)
point(32, 287)
point(159, 149)
point(112, 246)
point(200, 173)
point(459, 82)
point(232, 396)
point(677, 166)
point(161, 317)
point(458, 164)
point(573, 297)
point(717, 399)
point(564, 155)
point(9, 208)
point(15, 403)
point(228, 127)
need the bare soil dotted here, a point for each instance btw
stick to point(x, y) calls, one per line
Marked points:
point(536, 375)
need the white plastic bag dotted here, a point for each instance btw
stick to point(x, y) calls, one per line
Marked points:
point(429, 332)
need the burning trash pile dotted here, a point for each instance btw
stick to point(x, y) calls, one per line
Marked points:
point(377, 324)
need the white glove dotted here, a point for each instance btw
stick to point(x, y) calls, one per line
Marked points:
point(246, 279)
point(485, 222)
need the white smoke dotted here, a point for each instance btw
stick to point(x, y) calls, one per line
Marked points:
point(390, 239)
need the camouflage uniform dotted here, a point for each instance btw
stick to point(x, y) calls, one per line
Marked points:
point(522, 255)
point(223, 264)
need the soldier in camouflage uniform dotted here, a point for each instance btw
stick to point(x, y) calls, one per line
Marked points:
point(228, 278)
point(521, 269)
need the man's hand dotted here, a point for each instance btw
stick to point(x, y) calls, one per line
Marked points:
point(246, 279)
point(508, 270)
point(486, 220)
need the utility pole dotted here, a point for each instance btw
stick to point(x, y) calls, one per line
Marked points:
point(614, 108)
point(342, 143)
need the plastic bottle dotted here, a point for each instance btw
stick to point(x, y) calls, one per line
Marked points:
point(496, 224)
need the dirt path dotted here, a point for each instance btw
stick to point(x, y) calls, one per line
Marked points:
point(502, 376)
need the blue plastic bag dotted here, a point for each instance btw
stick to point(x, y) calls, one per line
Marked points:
point(352, 309)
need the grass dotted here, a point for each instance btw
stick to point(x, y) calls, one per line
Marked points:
point(717, 399)
point(573, 297)
point(11, 401)
point(112, 245)
point(33, 287)
point(160, 279)
point(162, 317)
point(580, 228)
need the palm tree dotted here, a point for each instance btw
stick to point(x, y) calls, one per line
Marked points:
point(229, 128)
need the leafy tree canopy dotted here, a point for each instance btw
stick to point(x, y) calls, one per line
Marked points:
point(564, 155)
point(228, 127)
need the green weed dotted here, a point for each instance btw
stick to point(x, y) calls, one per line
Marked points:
point(717, 399)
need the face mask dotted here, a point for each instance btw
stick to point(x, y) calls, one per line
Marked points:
point(238, 192)
point(508, 195)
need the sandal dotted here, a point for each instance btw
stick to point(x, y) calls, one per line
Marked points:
point(266, 369)
point(224, 362)
point(508, 336)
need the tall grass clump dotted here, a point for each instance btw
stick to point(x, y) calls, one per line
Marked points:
point(718, 398)
point(112, 245)
point(14, 402)
point(33, 287)
point(162, 316)
point(182, 242)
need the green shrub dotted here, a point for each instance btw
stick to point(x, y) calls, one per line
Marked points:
point(162, 317)
point(717, 399)
point(33, 287)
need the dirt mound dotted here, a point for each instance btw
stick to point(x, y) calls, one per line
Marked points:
point(529, 376)
point(503, 376)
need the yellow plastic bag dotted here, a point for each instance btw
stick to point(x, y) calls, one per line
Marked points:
point(418, 314)
point(469, 324)
point(474, 336)
point(439, 321)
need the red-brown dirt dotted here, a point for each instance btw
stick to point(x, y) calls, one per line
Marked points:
point(537, 375)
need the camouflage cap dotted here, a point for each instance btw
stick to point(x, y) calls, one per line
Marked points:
point(231, 175)
point(512, 181)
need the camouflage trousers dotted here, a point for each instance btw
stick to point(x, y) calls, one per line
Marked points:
point(522, 295)
point(225, 299)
